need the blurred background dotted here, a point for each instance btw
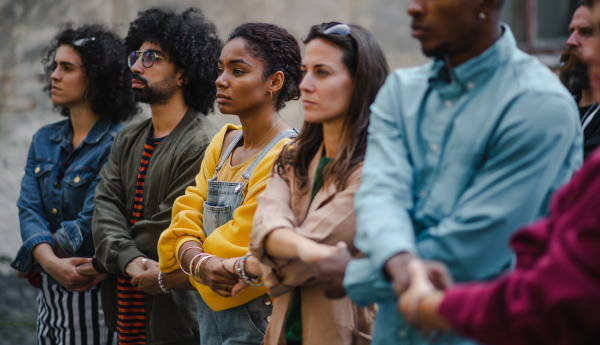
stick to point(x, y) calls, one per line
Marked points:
point(27, 26)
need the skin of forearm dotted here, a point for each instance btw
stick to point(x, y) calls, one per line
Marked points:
point(252, 267)
point(285, 244)
point(177, 281)
point(44, 255)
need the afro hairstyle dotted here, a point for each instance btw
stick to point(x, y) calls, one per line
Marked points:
point(191, 42)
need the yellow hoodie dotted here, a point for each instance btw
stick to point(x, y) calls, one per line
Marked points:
point(228, 241)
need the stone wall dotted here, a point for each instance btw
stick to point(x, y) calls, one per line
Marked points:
point(27, 26)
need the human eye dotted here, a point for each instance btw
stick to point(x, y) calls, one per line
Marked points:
point(220, 70)
point(322, 73)
point(238, 71)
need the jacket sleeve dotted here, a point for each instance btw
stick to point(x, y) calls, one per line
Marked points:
point(554, 300)
point(187, 212)
point(32, 218)
point(75, 236)
point(329, 223)
point(536, 148)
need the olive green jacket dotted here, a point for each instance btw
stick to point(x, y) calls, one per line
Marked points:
point(170, 318)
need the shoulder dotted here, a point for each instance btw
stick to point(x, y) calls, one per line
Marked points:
point(114, 129)
point(133, 129)
point(50, 129)
point(263, 169)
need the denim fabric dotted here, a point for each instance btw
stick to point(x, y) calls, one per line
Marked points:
point(243, 325)
point(57, 191)
point(452, 169)
point(247, 323)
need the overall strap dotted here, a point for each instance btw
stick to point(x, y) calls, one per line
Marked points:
point(225, 155)
point(288, 133)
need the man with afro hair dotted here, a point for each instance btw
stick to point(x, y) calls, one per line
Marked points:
point(173, 59)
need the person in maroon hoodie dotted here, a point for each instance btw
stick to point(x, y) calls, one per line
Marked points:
point(553, 295)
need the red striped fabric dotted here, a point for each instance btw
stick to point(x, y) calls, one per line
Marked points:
point(131, 301)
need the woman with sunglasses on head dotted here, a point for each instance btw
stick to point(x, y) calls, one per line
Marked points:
point(259, 71)
point(308, 202)
point(88, 80)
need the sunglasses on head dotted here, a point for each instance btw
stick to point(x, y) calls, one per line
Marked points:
point(78, 42)
point(338, 29)
point(148, 57)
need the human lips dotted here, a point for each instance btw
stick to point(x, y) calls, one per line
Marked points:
point(137, 83)
point(222, 98)
point(307, 103)
point(418, 30)
point(55, 89)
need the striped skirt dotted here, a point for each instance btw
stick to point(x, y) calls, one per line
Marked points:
point(70, 318)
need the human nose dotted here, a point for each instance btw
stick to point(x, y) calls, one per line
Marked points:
point(137, 67)
point(307, 84)
point(55, 76)
point(222, 82)
point(415, 8)
point(573, 40)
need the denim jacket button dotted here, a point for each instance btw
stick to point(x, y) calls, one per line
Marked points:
point(54, 211)
point(76, 180)
point(37, 170)
point(56, 184)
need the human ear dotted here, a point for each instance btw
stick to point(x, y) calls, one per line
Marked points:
point(181, 78)
point(277, 81)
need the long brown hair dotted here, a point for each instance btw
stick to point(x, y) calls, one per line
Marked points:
point(368, 67)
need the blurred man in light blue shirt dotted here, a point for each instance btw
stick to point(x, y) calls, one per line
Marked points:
point(461, 152)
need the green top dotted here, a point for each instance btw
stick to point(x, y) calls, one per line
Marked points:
point(293, 320)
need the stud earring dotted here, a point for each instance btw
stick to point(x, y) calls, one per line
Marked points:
point(482, 15)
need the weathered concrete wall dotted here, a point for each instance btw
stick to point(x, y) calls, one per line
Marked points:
point(27, 26)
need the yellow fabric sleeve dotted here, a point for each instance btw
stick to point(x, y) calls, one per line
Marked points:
point(228, 241)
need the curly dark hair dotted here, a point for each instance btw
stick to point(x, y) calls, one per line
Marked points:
point(103, 58)
point(192, 44)
point(279, 51)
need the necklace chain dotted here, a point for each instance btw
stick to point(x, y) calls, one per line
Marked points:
point(252, 148)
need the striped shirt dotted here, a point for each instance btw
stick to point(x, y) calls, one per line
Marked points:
point(131, 314)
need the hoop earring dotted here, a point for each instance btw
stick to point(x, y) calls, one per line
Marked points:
point(86, 94)
point(482, 15)
point(271, 92)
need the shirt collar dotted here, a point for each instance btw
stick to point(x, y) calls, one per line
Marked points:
point(474, 71)
point(100, 128)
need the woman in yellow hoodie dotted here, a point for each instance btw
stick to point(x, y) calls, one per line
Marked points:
point(259, 71)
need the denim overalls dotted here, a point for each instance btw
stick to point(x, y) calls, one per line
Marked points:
point(247, 323)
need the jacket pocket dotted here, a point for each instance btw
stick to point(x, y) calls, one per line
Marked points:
point(43, 173)
point(77, 184)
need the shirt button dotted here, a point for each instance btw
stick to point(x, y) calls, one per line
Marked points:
point(37, 170)
point(470, 85)
point(449, 103)
point(56, 184)
point(423, 194)
point(434, 147)
point(54, 211)
point(269, 318)
point(403, 333)
point(267, 301)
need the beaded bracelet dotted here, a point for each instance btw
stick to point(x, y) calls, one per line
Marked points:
point(161, 283)
point(241, 271)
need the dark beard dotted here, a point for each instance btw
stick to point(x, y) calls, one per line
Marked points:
point(159, 93)
point(574, 73)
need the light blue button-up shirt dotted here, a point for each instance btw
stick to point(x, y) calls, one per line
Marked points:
point(453, 169)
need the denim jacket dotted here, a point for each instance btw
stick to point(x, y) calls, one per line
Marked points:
point(57, 191)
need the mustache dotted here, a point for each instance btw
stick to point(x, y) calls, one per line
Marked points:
point(138, 78)
point(571, 55)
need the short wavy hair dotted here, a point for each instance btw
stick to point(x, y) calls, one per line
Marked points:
point(279, 51)
point(109, 92)
point(192, 44)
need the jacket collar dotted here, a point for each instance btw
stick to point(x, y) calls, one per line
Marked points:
point(99, 129)
point(189, 116)
point(473, 72)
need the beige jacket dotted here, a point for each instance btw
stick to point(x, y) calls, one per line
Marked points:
point(281, 205)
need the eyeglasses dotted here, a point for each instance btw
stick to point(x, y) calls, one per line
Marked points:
point(148, 57)
point(78, 42)
point(338, 29)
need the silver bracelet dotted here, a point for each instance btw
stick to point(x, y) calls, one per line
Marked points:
point(161, 284)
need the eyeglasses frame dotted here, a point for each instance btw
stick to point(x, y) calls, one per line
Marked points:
point(157, 55)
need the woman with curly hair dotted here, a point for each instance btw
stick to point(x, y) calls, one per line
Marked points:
point(259, 71)
point(308, 203)
point(88, 79)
